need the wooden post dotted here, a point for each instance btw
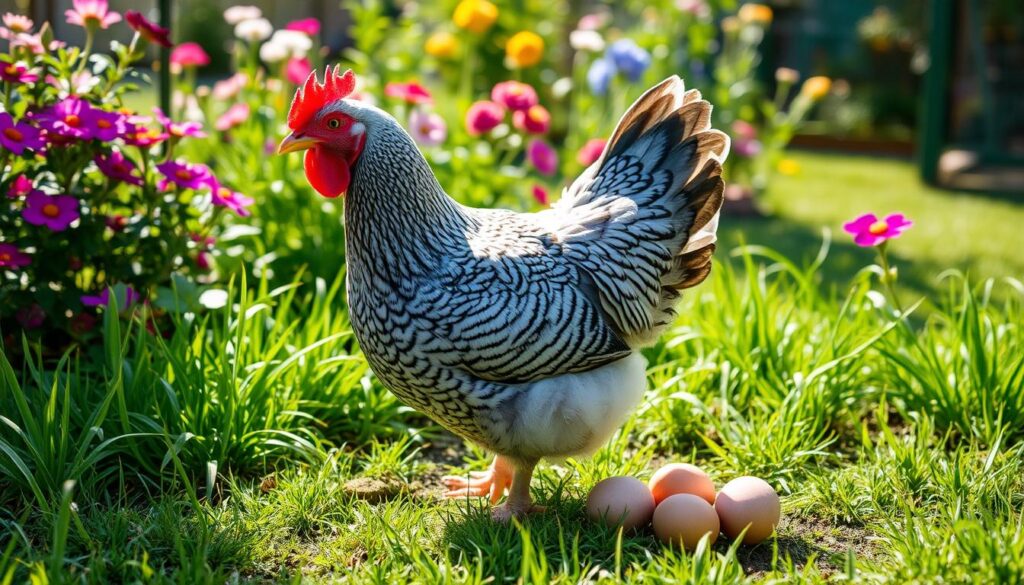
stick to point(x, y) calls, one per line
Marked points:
point(935, 98)
point(165, 18)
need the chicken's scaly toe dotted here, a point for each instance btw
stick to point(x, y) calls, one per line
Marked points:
point(491, 483)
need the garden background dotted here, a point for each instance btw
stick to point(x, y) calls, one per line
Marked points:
point(182, 399)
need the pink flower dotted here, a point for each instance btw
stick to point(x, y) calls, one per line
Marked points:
point(410, 93)
point(591, 151)
point(19, 187)
point(483, 116)
point(514, 95)
point(189, 55)
point(117, 167)
point(18, 136)
point(34, 43)
point(179, 129)
point(103, 299)
point(540, 194)
point(235, 115)
point(203, 260)
point(427, 128)
point(297, 70)
point(542, 156)
point(867, 230)
point(227, 89)
point(144, 136)
point(309, 26)
point(593, 21)
point(16, 72)
point(12, 257)
point(31, 316)
point(15, 24)
point(744, 130)
point(54, 211)
point(89, 13)
point(148, 30)
point(71, 117)
point(233, 200)
point(746, 148)
point(536, 120)
point(185, 174)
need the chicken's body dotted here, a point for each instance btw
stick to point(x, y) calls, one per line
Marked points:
point(520, 331)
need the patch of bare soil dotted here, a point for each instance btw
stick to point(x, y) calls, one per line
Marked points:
point(803, 539)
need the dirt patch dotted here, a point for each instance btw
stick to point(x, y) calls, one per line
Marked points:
point(804, 539)
point(374, 489)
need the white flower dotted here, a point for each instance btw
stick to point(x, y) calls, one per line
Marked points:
point(586, 40)
point(237, 14)
point(254, 30)
point(296, 43)
point(273, 52)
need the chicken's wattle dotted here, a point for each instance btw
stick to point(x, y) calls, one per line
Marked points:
point(328, 171)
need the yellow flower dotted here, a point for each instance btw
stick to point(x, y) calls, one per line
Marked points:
point(816, 87)
point(755, 13)
point(475, 15)
point(524, 49)
point(441, 45)
point(788, 166)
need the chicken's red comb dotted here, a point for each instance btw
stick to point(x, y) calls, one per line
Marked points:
point(314, 95)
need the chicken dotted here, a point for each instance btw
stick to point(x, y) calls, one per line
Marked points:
point(517, 331)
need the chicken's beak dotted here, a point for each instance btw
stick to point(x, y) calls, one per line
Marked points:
point(292, 143)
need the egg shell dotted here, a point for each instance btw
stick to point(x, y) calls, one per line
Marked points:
point(681, 478)
point(748, 501)
point(624, 500)
point(685, 518)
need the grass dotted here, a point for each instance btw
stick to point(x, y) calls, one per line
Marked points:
point(254, 445)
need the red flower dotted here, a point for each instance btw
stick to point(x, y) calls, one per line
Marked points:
point(591, 151)
point(540, 194)
point(536, 120)
point(148, 30)
point(411, 93)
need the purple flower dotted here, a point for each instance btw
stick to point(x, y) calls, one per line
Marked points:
point(117, 167)
point(867, 230)
point(54, 211)
point(103, 299)
point(18, 136)
point(109, 125)
point(12, 257)
point(542, 156)
point(185, 174)
point(629, 58)
point(427, 128)
point(233, 200)
point(180, 129)
point(71, 117)
point(600, 75)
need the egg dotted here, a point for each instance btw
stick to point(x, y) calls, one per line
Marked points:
point(681, 478)
point(621, 500)
point(685, 518)
point(748, 501)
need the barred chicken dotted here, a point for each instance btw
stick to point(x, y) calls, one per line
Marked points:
point(517, 331)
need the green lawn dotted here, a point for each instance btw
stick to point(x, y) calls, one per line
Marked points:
point(254, 445)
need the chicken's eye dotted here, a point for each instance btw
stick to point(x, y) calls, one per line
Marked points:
point(333, 123)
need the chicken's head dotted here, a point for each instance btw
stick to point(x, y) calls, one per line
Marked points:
point(327, 130)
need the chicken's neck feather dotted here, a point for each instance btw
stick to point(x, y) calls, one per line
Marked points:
point(399, 222)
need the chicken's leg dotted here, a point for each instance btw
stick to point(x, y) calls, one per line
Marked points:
point(491, 483)
point(519, 502)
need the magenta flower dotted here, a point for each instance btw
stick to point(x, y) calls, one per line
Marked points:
point(233, 200)
point(867, 230)
point(410, 93)
point(31, 316)
point(235, 115)
point(109, 125)
point(189, 55)
point(54, 211)
point(117, 167)
point(20, 187)
point(515, 95)
point(144, 136)
point(540, 194)
point(591, 151)
point(744, 130)
point(747, 148)
point(484, 116)
point(536, 120)
point(297, 70)
point(16, 72)
point(89, 13)
point(542, 156)
point(148, 30)
point(180, 129)
point(18, 136)
point(427, 128)
point(131, 296)
point(185, 174)
point(11, 257)
point(71, 117)
point(309, 26)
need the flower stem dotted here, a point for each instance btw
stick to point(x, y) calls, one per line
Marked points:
point(889, 277)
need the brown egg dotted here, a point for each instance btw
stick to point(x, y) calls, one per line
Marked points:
point(748, 501)
point(621, 500)
point(681, 478)
point(685, 518)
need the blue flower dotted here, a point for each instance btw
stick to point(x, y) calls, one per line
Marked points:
point(600, 75)
point(629, 58)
